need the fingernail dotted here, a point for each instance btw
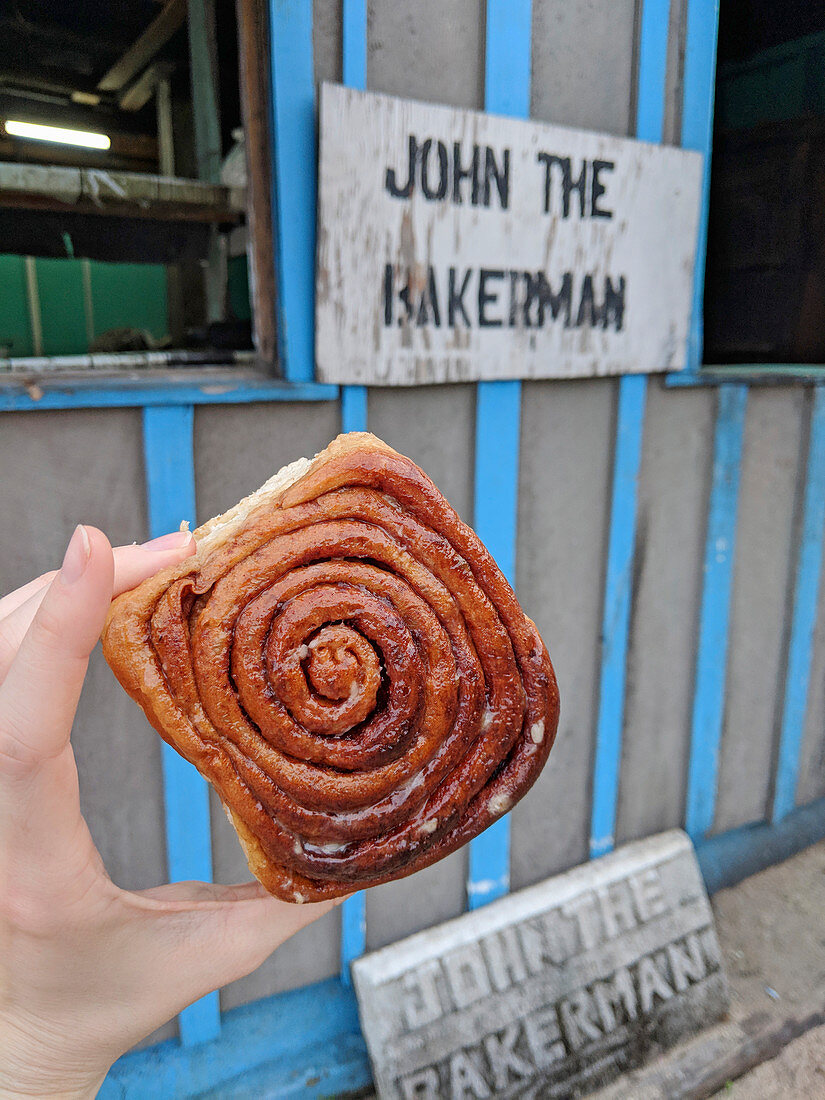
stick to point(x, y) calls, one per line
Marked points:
point(76, 557)
point(176, 540)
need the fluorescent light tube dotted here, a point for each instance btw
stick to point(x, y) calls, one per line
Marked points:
point(58, 134)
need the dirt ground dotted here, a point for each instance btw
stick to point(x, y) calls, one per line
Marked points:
point(772, 931)
point(799, 1071)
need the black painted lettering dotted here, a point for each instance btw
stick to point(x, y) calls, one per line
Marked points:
point(499, 176)
point(597, 188)
point(472, 172)
point(540, 291)
point(389, 290)
point(428, 307)
point(391, 179)
point(406, 300)
point(614, 299)
point(589, 312)
point(515, 278)
point(430, 192)
point(568, 184)
point(486, 298)
point(548, 161)
point(455, 298)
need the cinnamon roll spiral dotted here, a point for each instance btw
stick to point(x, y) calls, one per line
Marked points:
point(345, 663)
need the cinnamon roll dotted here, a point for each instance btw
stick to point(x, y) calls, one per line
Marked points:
point(344, 662)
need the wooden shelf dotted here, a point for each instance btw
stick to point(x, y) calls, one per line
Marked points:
point(122, 194)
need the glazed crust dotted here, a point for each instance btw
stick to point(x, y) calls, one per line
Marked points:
point(347, 666)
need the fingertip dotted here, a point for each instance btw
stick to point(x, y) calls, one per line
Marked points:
point(179, 543)
point(88, 557)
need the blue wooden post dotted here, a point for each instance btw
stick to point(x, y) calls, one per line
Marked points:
point(627, 458)
point(170, 494)
point(803, 623)
point(697, 133)
point(354, 419)
point(616, 613)
point(294, 172)
point(711, 658)
point(498, 409)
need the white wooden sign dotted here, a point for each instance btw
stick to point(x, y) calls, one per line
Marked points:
point(454, 246)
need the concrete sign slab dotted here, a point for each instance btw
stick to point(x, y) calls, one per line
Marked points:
point(455, 245)
point(552, 991)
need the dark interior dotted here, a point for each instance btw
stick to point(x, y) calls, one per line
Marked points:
point(765, 276)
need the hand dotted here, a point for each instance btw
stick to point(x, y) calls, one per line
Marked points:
point(88, 969)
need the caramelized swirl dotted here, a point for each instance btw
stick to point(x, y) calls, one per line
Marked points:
point(348, 667)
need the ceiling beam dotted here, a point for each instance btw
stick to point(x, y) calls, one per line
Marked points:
point(145, 49)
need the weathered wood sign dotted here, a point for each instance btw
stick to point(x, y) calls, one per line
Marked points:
point(552, 991)
point(455, 246)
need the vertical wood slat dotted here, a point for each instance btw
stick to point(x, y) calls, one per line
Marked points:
point(711, 659)
point(697, 133)
point(354, 419)
point(255, 107)
point(507, 66)
point(203, 73)
point(616, 613)
point(630, 417)
point(803, 622)
point(294, 183)
point(170, 493)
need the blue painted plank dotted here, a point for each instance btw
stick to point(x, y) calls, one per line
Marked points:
point(616, 612)
point(498, 423)
point(353, 911)
point(354, 419)
point(730, 857)
point(507, 65)
point(495, 501)
point(803, 623)
point(353, 408)
point(353, 933)
point(354, 43)
point(650, 110)
point(170, 492)
point(93, 395)
point(711, 659)
point(309, 1037)
point(507, 58)
point(697, 133)
point(627, 458)
point(294, 183)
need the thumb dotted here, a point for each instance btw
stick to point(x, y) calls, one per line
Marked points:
point(212, 943)
point(39, 695)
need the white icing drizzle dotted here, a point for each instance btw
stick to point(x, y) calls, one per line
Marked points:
point(500, 804)
point(537, 731)
point(327, 849)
